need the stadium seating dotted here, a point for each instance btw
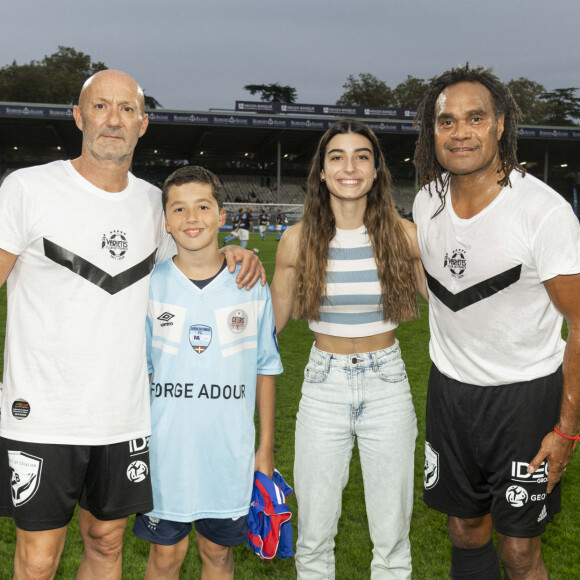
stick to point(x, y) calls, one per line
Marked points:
point(248, 189)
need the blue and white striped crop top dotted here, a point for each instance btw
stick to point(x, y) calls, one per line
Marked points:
point(351, 308)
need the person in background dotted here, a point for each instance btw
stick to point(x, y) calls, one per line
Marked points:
point(234, 235)
point(278, 224)
point(246, 224)
point(263, 224)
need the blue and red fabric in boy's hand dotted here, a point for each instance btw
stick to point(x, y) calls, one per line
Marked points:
point(269, 528)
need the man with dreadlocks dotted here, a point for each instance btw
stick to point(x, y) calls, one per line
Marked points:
point(502, 259)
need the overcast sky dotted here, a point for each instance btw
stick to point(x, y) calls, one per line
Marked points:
point(197, 55)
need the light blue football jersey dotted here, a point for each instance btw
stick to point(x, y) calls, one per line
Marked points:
point(204, 350)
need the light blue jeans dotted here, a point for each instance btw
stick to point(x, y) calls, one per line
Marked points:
point(365, 395)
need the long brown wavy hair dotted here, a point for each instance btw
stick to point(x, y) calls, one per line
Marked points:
point(390, 244)
point(430, 172)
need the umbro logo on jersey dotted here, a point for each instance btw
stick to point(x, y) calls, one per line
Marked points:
point(165, 318)
point(94, 274)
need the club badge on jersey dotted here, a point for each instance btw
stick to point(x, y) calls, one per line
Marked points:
point(199, 337)
point(238, 320)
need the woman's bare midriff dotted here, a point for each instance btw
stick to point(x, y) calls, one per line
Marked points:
point(341, 345)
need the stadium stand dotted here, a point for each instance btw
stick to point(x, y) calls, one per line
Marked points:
point(247, 189)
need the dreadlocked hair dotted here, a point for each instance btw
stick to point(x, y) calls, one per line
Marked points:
point(391, 248)
point(429, 170)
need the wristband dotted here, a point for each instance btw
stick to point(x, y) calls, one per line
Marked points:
point(574, 438)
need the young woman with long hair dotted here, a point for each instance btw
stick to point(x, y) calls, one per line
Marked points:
point(351, 267)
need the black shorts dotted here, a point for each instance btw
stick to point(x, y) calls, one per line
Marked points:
point(478, 443)
point(44, 482)
point(224, 532)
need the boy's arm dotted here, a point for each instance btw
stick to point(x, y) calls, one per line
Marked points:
point(265, 405)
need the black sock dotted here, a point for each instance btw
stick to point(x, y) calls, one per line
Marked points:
point(475, 564)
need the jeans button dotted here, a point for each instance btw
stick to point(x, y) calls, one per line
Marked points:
point(354, 360)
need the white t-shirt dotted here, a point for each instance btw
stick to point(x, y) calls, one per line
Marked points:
point(75, 368)
point(491, 319)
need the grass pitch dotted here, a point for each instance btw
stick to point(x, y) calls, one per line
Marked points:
point(430, 547)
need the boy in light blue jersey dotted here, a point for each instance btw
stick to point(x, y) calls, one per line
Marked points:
point(212, 354)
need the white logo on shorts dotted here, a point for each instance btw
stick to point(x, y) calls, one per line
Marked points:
point(152, 523)
point(543, 513)
point(520, 472)
point(137, 471)
point(25, 476)
point(516, 496)
point(138, 446)
point(431, 474)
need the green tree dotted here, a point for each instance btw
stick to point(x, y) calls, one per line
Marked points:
point(366, 91)
point(527, 95)
point(26, 83)
point(410, 92)
point(152, 103)
point(563, 106)
point(274, 92)
point(57, 78)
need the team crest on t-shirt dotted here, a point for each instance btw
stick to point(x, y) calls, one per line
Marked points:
point(116, 243)
point(456, 262)
point(237, 321)
point(199, 337)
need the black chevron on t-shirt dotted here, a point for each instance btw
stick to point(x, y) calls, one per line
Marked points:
point(475, 293)
point(93, 274)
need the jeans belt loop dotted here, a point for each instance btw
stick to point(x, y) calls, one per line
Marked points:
point(375, 362)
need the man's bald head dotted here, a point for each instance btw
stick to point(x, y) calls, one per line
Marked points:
point(113, 78)
point(111, 115)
